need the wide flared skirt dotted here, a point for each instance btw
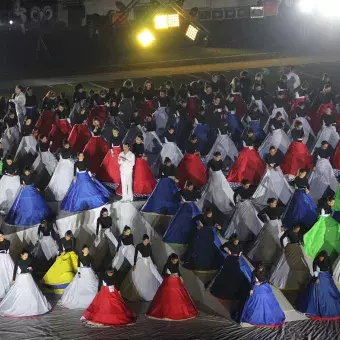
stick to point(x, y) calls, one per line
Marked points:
point(164, 199)
point(24, 299)
point(61, 273)
point(46, 247)
point(27, 146)
point(9, 190)
point(29, 208)
point(100, 112)
point(61, 180)
point(10, 140)
point(143, 179)
point(110, 169)
point(321, 301)
point(95, 151)
point(60, 131)
point(45, 160)
point(297, 157)
point(262, 308)
point(85, 194)
point(81, 291)
point(108, 308)
point(124, 252)
point(6, 270)
point(191, 169)
point(248, 165)
point(79, 137)
point(45, 122)
point(172, 301)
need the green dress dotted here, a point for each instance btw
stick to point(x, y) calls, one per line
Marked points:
point(324, 235)
point(1, 165)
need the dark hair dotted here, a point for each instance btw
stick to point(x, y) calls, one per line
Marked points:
point(69, 233)
point(24, 251)
point(9, 158)
point(103, 210)
point(330, 198)
point(295, 226)
point(272, 148)
point(127, 144)
point(140, 136)
point(271, 200)
point(84, 246)
point(146, 237)
point(324, 142)
point(217, 153)
point(126, 228)
point(65, 141)
point(173, 256)
point(188, 183)
point(233, 237)
point(245, 182)
point(167, 160)
point(1, 232)
point(109, 269)
point(21, 88)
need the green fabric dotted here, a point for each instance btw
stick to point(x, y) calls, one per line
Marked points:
point(324, 235)
point(1, 165)
point(337, 200)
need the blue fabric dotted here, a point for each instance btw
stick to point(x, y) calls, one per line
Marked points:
point(301, 209)
point(164, 199)
point(321, 300)
point(206, 138)
point(85, 194)
point(258, 131)
point(248, 273)
point(262, 308)
point(202, 253)
point(183, 129)
point(182, 225)
point(235, 124)
point(28, 209)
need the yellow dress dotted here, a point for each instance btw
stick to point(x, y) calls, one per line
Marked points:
point(61, 273)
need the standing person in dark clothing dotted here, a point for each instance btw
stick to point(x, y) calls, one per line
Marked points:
point(271, 212)
point(301, 181)
point(189, 193)
point(245, 85)
point(244, 192)
point(249, 138)
point(104, 221)
point(273, 158)
point(297, 132)
point(31, 98)
point(293, 236)
point(170, 134)
point(325, 151)
point(167, 169)
point(79, 94)
point(277, 122)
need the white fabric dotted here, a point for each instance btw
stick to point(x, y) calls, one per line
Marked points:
point(308, 131)
point(161, 119)
point(27, 145)
point(245, 222)
point(9, 190)
point(49, 247)
point(336, 270)
point(45, 160)
point(293, 81)
point(225, 146)
point(126, 162)
point(274, 112)
point(329, 134)
point(172, 151)
point(61, 180)
point(102, 235)
point(261, 106)
point(218, 192)
point(126, 183)
point(266, 248)
point(321, 178)
point(20, 101)
point(273, 184)
point(81, 291)
point(124, 252)
point(279, 139)
point(10, 139)
point(6, 270)
point(146, 278)
point(24, 299)
point(285, 277)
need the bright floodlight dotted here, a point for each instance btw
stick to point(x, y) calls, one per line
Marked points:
point(192, 32)
point(306, 6)
point(329, 8)
point(146, 38)
point(173, 20)
point(11, 22)
point(161, 21)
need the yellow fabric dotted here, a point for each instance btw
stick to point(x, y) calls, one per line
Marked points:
point(63, 270)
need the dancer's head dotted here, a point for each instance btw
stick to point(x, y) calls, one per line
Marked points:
point(104, 212)
point(245, 183)
point(81, 156)
point(302, 173)
point(146, 239)
point(217, 156)
point(296, 228)
point(322, 255)
point(85, 250)
point(173, 258)
point(2, 236)
point(66, 144)
point(24, 254)
point(68, 235)
point(272, 150)
point(272, 202)
point(127, 230)
point(234, 239)
point(139, 139)
point(126, 147)
point(109, 271)
point(167, 161)
point(331, 201)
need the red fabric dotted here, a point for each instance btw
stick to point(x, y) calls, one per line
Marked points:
point(297, 157)
point(109, 170)
point(45, 122)
point(95, 152)
point(316, 117)
point(172, 301)
point(241, 106)
point(249, 165)
point(108, 308)
point(193, 105)
point(191, 168)
point(296, 102)
point(79, 137)
point(143, 179)
point(60, 131)
point(100, 112)
point(146, 109)
point(319, 318)
point(336, 157)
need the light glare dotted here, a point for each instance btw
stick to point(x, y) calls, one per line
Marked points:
point(146, 38)
point(192, 32)
point(161, 22)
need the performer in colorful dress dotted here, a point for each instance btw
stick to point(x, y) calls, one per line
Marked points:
point(6, 265)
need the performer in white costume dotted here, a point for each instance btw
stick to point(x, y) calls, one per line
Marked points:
point(126, 161)
point(125, 249)
point(6, 266)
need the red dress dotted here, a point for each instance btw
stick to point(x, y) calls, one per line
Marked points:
point(109, 170)
point(146, 109)
point(316, 116)
point(193, 106)
point(100, 112)
point(336, 157)
point(191, 168)
point(108, 308)
point(249, 165)
point(60, 131)
point(240, 105)
point(297, 157)
point(79, 137)
point(172, 301)
point(45, 123)
point(95, 151)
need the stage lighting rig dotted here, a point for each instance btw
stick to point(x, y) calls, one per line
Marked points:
point(192, 32)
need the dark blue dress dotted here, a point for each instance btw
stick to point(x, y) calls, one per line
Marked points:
point(182, 224)
point(301, 209)
point(28, 209)
point(258, 131)
point(164, 198)
point(235, 126)
point(85, 194)
point(206, 138)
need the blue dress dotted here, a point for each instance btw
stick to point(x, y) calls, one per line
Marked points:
point(321, 301)
point(301, 209)
point(182, 224)
point(262, 308)
point(28, 209)
point(203, 253)
point(206, 138)
point(164, 199)
point(85, 194)
point(258, 131)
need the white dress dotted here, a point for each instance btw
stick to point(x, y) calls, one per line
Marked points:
point(61, 180)
point(329, 134)
point(45, 160)
point(10, 139)
point(278, 139)
point(24, 299)
point(28, 145)
point(172, 151)
point(225, 146)
point(46, 246)
point(9, 190)
point(6, 273)
point(124, 252)
point(81, 291)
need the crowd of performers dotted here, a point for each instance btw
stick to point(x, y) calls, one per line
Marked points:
point(248, 176)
